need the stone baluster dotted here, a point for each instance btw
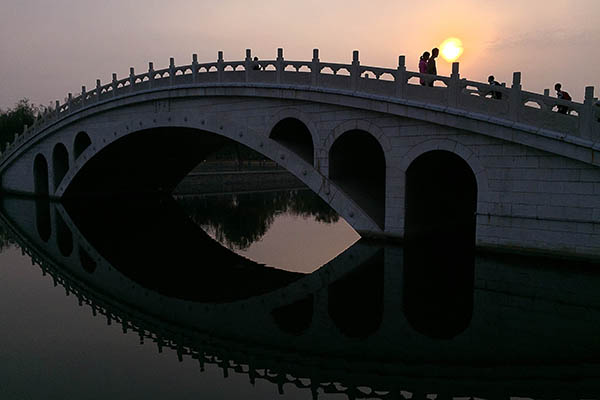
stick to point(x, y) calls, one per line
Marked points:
point(279, 64)
point(454, 86)
point(586, 117)
point(515, 97)
point(57, 107)
point(355, 70)
point(248, 64)
point(401, 77)
point(171, 71)
point(131, 78)
point(98, 89)
point(194, 67)
point(83, 95)
point(114, 84)
point(69, 101)
point(220, 66)
point(151, 74)
point(315, 68)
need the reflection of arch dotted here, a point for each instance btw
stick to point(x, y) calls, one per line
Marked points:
point(40, 175)
point(64, 237)
point(42, 219)
point(356, 301)
point(440, 223)
point(60, 163)
point(295, 318)
point(82, 142)
point(357, 165)
point(87, 262)
point(294, 135)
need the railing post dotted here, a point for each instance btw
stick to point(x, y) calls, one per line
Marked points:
point(83, 95)
point(454, 86)
point(515, 97)
point(151, 74)
point(547, 92)
point(401, 77)
point(194, 67)
point(247, 63)
point(57, 107)
point(355, 70)
point(114, 84)
point(586, 119)
point(315, 68)
point(131, 78)
point(220, 66)
point(98, 89)
point(279, 64)
point(171, 70)
point(69, 101)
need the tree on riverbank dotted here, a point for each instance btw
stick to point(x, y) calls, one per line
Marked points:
point(14, 119)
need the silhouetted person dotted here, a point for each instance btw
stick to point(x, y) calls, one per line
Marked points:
point(423, 66)
point(431, 67)
point(493, 82)
point(563, 95)
point(255, 64)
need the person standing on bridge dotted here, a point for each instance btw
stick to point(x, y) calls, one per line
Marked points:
point(563, 95)
point(493, 82)
point(423, 66)
point(255, 64)
point(431, 66)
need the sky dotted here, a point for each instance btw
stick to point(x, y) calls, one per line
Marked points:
point(50, 48)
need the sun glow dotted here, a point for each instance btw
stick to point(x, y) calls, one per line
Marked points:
point(451, 49)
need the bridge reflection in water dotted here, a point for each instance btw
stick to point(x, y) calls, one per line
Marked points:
point(377, 321)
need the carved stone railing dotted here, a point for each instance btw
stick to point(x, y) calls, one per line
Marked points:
point(515, 107)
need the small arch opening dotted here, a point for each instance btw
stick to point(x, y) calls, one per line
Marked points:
point(82, 142)
point(439, 254)
point(40, 176)
point(60, 163)
point(295, 136)
point(357, 166)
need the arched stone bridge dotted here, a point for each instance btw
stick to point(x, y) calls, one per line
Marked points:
point(350, 132)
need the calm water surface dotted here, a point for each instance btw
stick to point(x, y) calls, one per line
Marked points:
point(135, 299)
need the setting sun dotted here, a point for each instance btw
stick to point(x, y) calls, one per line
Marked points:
point(451, 49)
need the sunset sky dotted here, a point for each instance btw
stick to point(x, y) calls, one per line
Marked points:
point(52, 47)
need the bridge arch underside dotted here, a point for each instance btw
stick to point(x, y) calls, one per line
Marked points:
point(357, 165)
point(147, 161)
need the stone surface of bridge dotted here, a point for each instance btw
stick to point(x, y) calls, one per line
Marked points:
point(370, 141)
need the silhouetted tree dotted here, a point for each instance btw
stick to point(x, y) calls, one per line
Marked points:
point(14, 119)
point(242, 219)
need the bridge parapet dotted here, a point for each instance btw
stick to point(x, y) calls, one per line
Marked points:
point(512, 106)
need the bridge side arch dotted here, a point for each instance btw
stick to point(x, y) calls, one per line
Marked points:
point(301, 121)
point(81, 143)
point(357, 164)
point(362, 125)
point(468, 155)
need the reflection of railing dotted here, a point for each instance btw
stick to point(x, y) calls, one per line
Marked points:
point(530, 111)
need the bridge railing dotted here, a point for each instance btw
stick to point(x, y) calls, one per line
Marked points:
point(513, 106)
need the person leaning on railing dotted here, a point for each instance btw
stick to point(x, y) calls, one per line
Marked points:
point(495, 93)
point(563, 95)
